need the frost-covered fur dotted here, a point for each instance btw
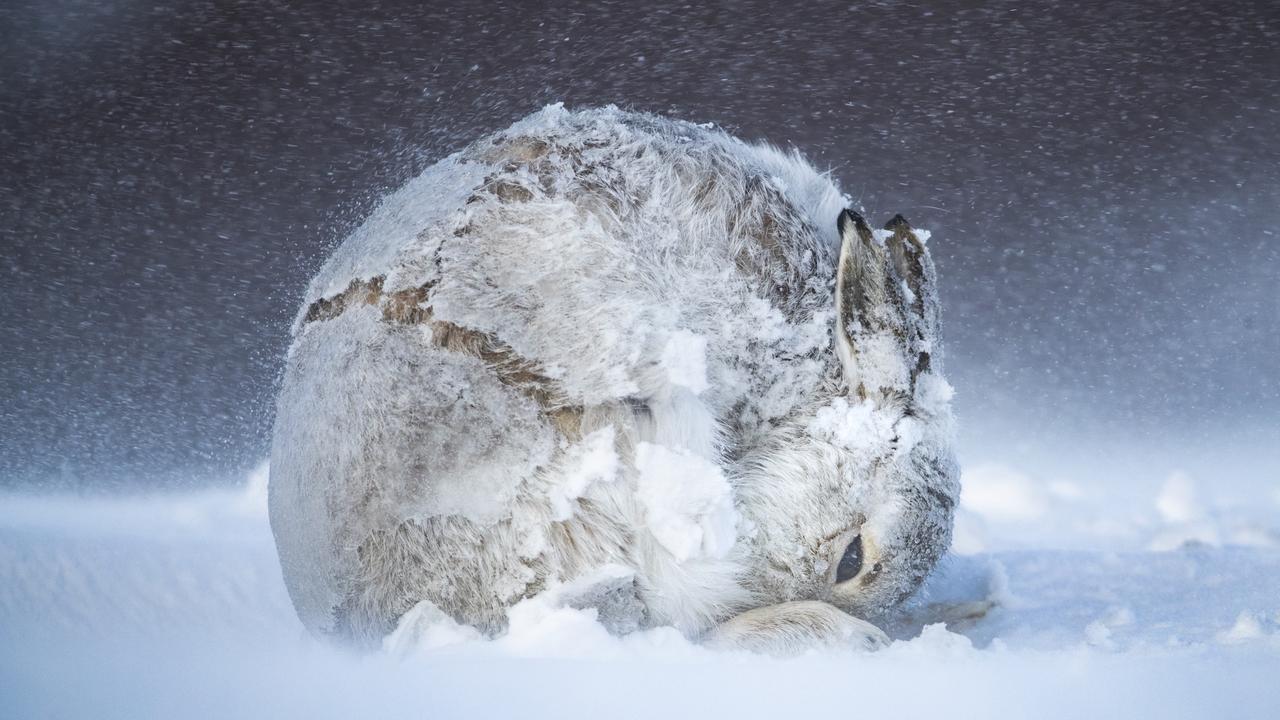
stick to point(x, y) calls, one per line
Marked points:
point(602, 339)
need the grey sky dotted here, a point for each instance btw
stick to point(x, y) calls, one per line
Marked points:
point(1102, 180)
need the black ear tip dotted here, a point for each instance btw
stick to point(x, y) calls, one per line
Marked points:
point(897, 222)
point(851, 220)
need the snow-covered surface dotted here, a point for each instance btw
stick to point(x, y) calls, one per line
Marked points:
point(173, 606)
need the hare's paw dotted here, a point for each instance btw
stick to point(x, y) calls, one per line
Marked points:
point(613, 592)
point(791, 628)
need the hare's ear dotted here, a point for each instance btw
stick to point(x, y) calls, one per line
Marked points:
point(860, 291)
point(886, 307)
point(912, 262)
point(860, 275)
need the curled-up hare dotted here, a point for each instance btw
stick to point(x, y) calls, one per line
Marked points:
point(602, 344)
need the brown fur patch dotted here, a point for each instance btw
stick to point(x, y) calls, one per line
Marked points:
point(410, 307)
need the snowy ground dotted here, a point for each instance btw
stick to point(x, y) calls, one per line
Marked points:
point(173, 606)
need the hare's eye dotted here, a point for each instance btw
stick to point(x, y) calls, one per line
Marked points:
point(851, 563)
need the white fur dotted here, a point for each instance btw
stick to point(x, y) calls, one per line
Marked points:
point(624, 285)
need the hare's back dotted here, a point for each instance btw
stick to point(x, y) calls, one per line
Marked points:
point(454, 344)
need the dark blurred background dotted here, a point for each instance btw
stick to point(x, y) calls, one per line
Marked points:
point(1102, 180)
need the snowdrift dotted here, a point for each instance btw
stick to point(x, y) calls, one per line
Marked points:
point(173, 606)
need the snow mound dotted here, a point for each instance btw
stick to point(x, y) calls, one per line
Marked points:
point(1001, 507)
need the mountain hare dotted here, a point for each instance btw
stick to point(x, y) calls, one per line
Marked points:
point(626, 359)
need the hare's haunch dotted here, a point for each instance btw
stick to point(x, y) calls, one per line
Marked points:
point(628, 361)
